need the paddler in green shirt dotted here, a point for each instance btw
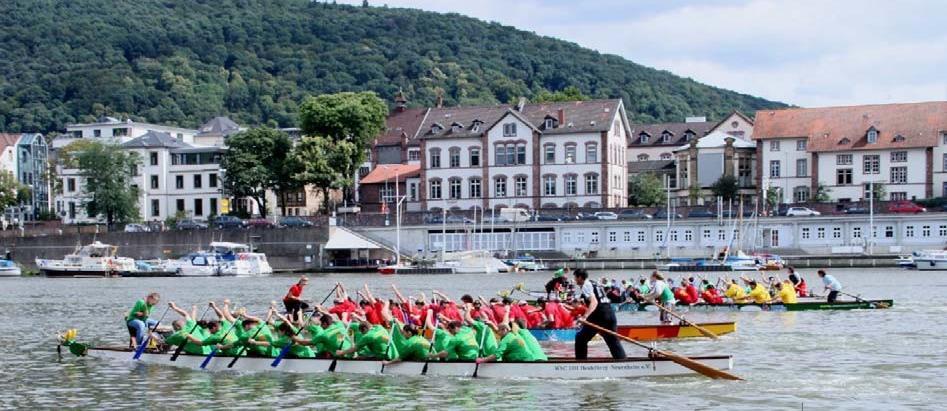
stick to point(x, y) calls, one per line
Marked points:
point(483, 333)
point(137, 319)
point(370, 342)
point(329, 337)
point(221, 332)
point(511, 347)
point(184, 328)
point(253, 328)
point(535, 350)
point(462, 343)
point(284, 337)
point(410, 344)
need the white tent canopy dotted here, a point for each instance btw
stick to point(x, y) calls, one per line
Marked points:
point(342, 239)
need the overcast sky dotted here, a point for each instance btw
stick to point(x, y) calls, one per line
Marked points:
point(803, 52)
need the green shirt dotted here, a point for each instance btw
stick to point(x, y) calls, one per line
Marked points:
point(513, 348)
point(224, 336)
point(535, 350)
point(279, 342)
point(331, 339)
point(463, 345)
point(264, 335)
point(142, 306)
point(415, 348)
point(180, 337)
point(489, 341)
point(375, 344)
point(644, 289)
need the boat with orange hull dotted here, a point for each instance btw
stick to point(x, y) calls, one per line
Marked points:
point(641, 332)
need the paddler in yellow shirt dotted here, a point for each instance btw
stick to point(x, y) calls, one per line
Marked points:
point(787, 292)
point(758, 293)
point(735, 292)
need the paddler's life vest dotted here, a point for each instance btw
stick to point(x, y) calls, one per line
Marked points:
point(600, 294)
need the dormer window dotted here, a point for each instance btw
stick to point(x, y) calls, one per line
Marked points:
point(872, 136)
point(456, 128)
point(436, 128)
point(688, 136)
point(644, 138)
point(665, 137)
point(549, 123)
point(844, 141)
point(475, 126)
point(898, 138)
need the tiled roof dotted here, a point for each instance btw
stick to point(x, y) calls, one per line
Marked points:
point(677, 131)
point(8, 139)
point(635, 167)
point(846, 128)
point(218, 126)
point(446, 118)
point(399, 123)
point(718, 139)
point(154, 139)
point(389, 172)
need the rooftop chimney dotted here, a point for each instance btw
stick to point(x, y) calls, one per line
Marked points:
point(520, 104)
point(562, 117)
point(401, 104)
point(439, 102)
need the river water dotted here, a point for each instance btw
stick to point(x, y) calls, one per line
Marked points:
point(871, 359)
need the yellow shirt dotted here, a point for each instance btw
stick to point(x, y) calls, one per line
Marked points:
point(760, 295)
point(735, 292)
point(787, 294)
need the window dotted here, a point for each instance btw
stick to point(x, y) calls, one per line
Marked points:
point(942, 230)
point(659, 235)
point(570, 154)
point(550, 154)
point(549, 185)
point(721, 235)
point(641, 236)
point(198, 182)
point(120, 132)
point(688, 136)
point(198, 206)
point(843, 159)
point(435, 158)
point(820, 232)
point(612, 237)
point(898, 138)
point(945, 162)
point(363, 171)
point(510, 154)
point(155, 207)
point(475, 126)
point(805, 233)
point(212, 180)
point(909, 231)
point(96, 133)
point(871, 164)
point(644, 138)
point(673, 236)
point(899, 175)
point(843, 176)
point(499, 187)
point(591, 153)
point(580, 237)
point(774, 168)
point(154, 158)
point(594, 237)
point(435, 189)
point(899, 156)
point(500, 153)
point(179, 182)
point(800, 194)
point(475, 191)
point(455, 188)
point(571, 189)
point(414, 155)
point(665, 156)
point(521, 154)
point(509, 130)
point(889, 231)
point(520, 185)
point(548, 123)
point(213, 206)
point(706, 234)
point(627, 237)
point(72, 210)
point(872, 136)
point(644, 157)
point(856, 232)
point(898, 195)
point(71, 184)
point(801, 145)
point(413, 191)
point(665, 137)
point(802, 167)
point(688, 235)
point(154, 182)
point(591, 183)
point(836, 232)
point(180, 204)
point(454, 157)
point(774, 145)
point(567, 237)
point(925, 231)
point(475, 157)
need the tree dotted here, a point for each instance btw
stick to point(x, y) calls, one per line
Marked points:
point(773, 196)
point(571, 93)
point(350, 121)
point(11, 190)
point(258, 160)
point(880, 190)
point(315, 154)
point(822, 194)
point(646, 189)
point(726, 187)
point(108, 190)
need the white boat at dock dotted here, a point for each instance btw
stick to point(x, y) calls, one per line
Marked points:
point(930, 260)
point(94, 260)
point(8, 268)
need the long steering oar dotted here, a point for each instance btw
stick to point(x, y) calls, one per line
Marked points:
point(870, 303)
point(177, 351)
point(704, 331)
point(285, 350)
point(147, 339)
point(214, 351)
point(679, 359)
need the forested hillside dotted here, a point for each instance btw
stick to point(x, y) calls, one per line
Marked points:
point(184, 61)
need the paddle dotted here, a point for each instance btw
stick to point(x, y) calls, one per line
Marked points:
point(702, 330)
point(243, 348)
point(285, 350)
point(862, 300)
point(483, 337)
point(431, 348)
point(147, 339)
point(679, 359)
point(177, 351)
point(214, 351)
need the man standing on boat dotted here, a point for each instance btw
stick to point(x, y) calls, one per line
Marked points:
point(600, 313)
point(137, 319)
point(831, 285)
point(293, 299)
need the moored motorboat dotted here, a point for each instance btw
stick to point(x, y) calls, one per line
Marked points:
point(93, 260)
point(8, 268)
point(642, 332)
point(239, 260)
point(930, 260)
point(555, 368)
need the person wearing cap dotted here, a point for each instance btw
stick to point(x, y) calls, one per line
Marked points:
point(600, 313)
point(558, 282)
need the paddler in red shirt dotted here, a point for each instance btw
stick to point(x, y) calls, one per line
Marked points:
point(711, 295)
point(691, 295)
point(293, 300)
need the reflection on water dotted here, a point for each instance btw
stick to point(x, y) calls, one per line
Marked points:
point(865, 359)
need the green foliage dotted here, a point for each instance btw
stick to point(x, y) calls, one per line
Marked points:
point(880, 190)
point(571, 93)
point(172, 220)
point(773, 196)
point(10, 190)
point(181, 62)
point(646, 189)
point(108, 189)
point(726, 187)
point(822, 194)
point(259, 159)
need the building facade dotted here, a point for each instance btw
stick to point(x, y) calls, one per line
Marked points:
point(703, 161)
point(847, 150)
point(115, 131)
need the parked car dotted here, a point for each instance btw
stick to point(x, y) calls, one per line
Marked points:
point(294, 222)
point(586, 216)
point(551, 217)
point(495, 219)
point(735, 213)
point(451, 219)
point(606, 215)
point(137, 228)
point(905, 206)
point(662, 214)
point(801, 212)
point(229, 222)
point(701, 213)
point(260, 223)
point(189, 224)
point(633, 214)
point(856, 210)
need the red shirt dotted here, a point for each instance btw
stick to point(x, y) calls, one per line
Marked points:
point(711, 296)
point(534, 318)
point(397, 313)
point(691, 294)
point(373, 313)
point(516, 312)
point(564, 317)
point(295, 291)
point(452, 313)
point(801, 288)
point(499, 311)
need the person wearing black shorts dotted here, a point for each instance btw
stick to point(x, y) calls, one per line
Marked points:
point(599, 313)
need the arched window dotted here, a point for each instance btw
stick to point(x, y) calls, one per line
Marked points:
point(435, 156)
point(454, 157)
point(499, 186)
point(666, 156)
point(643, 157)
point(800, 194)
point(475, 190)
point(591, 183)
point(435, 189)
point(455, 188)
point(872, 135)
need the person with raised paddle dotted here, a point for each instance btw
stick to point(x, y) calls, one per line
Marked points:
point(599, 312)
point(293, 299)
point(138, 320)
point(833, 286)
point(184, 328)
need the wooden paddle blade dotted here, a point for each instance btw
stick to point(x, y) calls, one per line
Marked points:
point(698, 366)
point(702, 330)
